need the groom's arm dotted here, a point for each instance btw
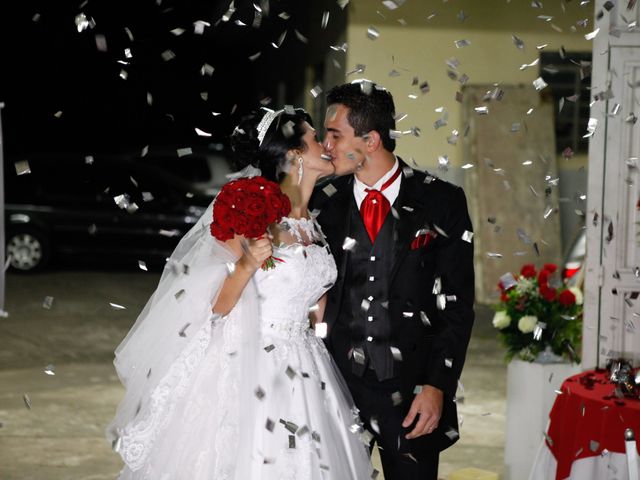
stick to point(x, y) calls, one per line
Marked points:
point(454, 266)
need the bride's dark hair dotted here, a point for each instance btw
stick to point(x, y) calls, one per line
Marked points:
point(285, 133)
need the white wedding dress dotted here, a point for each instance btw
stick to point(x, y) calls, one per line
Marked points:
point(296, 422)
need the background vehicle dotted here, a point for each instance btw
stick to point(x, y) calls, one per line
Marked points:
point(107, 211)
point(573, 264)
point(204, 169)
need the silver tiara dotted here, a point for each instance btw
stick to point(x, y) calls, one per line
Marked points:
point(265, 123)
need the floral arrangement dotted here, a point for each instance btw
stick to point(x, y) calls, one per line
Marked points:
point(539, 314)
point(247, 207)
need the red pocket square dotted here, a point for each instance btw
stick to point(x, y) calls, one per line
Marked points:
point(422, 239)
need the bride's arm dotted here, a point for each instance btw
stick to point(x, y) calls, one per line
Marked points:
point(252, 254)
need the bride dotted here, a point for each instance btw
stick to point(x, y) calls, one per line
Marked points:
point(224, 377)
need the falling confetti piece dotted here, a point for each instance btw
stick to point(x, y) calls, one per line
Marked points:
point(372, 33)
point(183, 330)
point(115, 306)
point(47, 303)
point(202, 133)
point(325, 20)
point(168, 55)
point(22, 167)
point(315, 91)
point(539, 84)
point(301, 37)
point(321, 329)
point(50, 369)
point(592, 35)
point(349, 243)
point(27, 401)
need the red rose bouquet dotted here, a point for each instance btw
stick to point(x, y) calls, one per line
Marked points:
point(246, 207)
point(538, 314)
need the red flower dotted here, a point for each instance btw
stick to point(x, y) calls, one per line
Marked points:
point(528, 271)
point(247, 206)
point(543, 278)
point(504, 297)
point(567, 298)
point(550, 267)
point(549, 294)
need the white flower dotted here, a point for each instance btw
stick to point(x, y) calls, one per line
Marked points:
point(527, 324)
point(526, 286)
point(578, 294)
point(501, 319)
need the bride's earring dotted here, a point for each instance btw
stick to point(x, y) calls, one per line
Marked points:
point(300, 169)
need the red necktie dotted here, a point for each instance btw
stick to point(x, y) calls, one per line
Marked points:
point(375, 207)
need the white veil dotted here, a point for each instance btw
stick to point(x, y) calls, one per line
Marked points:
point(178, 316)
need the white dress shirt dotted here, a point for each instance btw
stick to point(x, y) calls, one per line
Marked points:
point(391, 192)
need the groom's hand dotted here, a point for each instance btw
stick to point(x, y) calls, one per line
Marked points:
point(427, 404)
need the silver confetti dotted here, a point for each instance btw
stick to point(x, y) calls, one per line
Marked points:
point(396, 353)
point(437, 286)
point(101, 43)
point(467, 236)
point(50, 369)
point(183, 330)
point(315, 91)
point(47, 303)
point(115, 306)
point(260, 393)
point(539, 84)
point(482, 110)
point(372, 33)
point(452, 434)
point(182, 152)
point(321, 329)
point(358, 356)
point(425, 319)
point(517, 42)
point(22, 167)
point(168, 55)
point(462, 43)
point(325, 20)
point(270, 425)
point(592, 35)
point(269, 348)
point(291, 373)
point(349, 243)
point(27, 401)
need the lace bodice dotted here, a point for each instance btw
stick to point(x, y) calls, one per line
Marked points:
point(303, 273)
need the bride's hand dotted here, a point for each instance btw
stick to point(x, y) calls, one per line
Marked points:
point(255, 253)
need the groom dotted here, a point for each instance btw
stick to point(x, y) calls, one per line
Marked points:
point(400, 314)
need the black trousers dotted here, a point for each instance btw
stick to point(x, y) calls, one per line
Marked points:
point(375, 400)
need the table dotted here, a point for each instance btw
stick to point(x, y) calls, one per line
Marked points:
point(585, 437)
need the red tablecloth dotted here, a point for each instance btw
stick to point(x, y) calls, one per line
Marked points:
point(587, 418)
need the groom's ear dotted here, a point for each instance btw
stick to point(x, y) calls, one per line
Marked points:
point(372, 141)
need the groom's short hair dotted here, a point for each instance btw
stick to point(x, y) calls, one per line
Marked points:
point(370, 107)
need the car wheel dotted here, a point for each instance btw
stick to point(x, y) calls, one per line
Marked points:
point(27, 250)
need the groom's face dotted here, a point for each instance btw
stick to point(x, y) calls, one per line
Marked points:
point(347, 151)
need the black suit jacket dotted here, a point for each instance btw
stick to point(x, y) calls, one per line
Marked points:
point(431, 354)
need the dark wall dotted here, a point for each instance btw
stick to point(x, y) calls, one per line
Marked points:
point(49, 67)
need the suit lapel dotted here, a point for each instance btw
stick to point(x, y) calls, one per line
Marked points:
point(337, 223)
point(411, 212)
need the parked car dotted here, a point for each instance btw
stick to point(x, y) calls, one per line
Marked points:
point(204, 169)
point(107, 210)
point(574, 261)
